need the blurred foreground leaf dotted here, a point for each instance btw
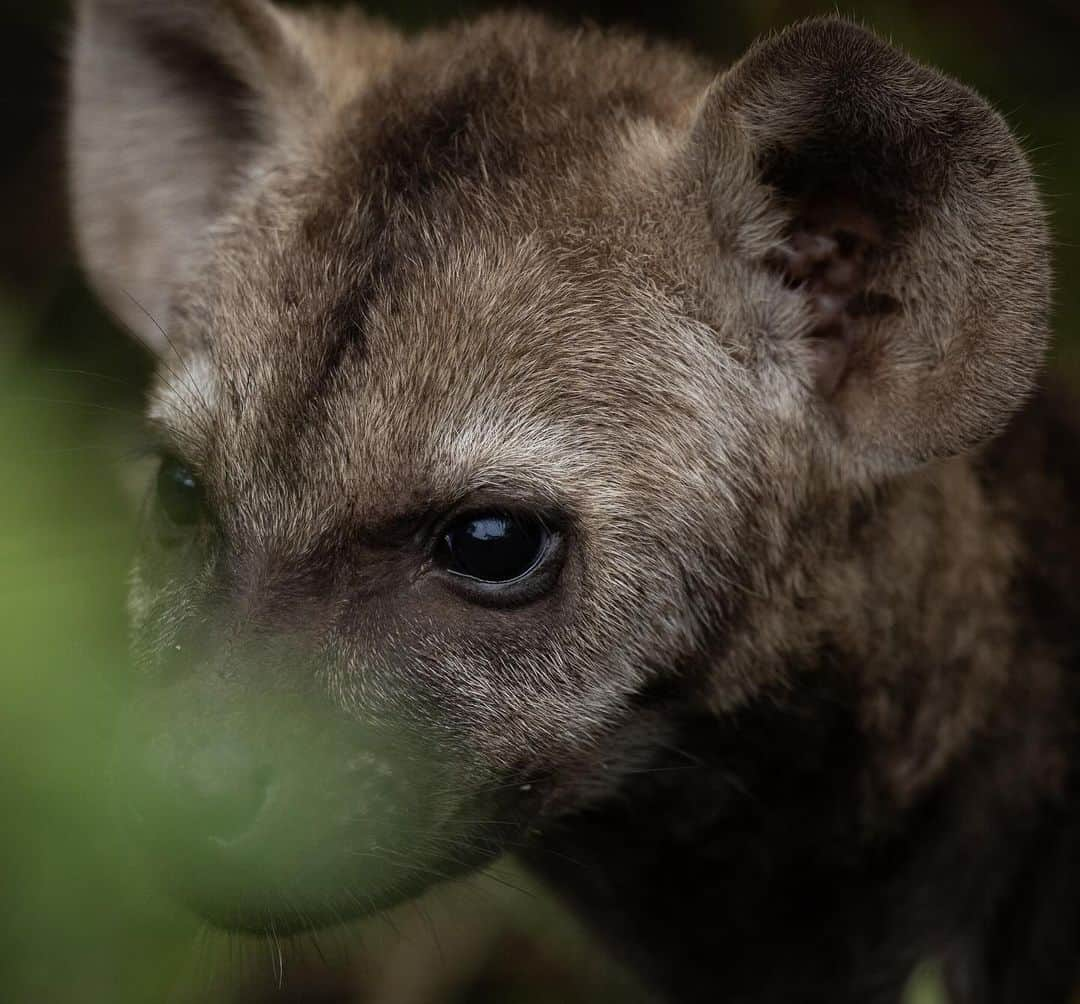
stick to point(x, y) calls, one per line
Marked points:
point(80, 921)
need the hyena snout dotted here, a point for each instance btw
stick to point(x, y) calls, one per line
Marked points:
point(270, 811)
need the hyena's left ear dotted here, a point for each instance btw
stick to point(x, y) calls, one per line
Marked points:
point(172, 104)
point(901, 226)
point(169, 100)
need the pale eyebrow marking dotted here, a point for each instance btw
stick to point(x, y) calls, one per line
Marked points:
point(181, 407)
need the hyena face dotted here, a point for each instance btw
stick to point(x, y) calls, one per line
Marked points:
point(502, 369)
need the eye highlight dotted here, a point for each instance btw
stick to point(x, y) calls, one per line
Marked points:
point(493, 547)
point(179, 493)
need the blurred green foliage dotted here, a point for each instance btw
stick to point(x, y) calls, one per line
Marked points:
point(80, 921)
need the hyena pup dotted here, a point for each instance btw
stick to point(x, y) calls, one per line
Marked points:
point(572, 448)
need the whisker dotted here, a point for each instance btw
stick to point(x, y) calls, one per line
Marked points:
point(277, 958)
point(191, 382)
point(429, 924)
point(69, 402)
point(61, 371)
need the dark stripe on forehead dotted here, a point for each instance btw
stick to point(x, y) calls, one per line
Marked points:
point(408, 171)
point(428, 155)
point(474, 108)
point(379, 244)
point(420, 156)
point(462, 133)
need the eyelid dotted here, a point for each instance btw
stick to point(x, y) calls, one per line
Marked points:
point(165, 442)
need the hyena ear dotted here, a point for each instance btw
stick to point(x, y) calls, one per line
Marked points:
point(903, 232)
point(170, 100)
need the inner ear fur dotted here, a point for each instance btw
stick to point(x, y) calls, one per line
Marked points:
point(896, 204)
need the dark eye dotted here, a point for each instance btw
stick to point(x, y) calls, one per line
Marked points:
point(492, 546)
point(179, 493)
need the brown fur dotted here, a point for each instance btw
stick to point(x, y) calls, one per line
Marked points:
point(743, 336)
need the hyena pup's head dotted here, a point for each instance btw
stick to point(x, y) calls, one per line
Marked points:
point(498, 367)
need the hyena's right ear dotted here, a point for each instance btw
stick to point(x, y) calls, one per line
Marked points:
point(171, 101)
point(898, 251)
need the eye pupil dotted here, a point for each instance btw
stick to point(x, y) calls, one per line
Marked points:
point(179, 493)
point(492, 547)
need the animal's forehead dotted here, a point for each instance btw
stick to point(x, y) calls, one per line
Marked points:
point(506, 361)
point(444, 286)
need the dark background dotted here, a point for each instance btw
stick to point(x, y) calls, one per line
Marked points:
point(78, 921)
